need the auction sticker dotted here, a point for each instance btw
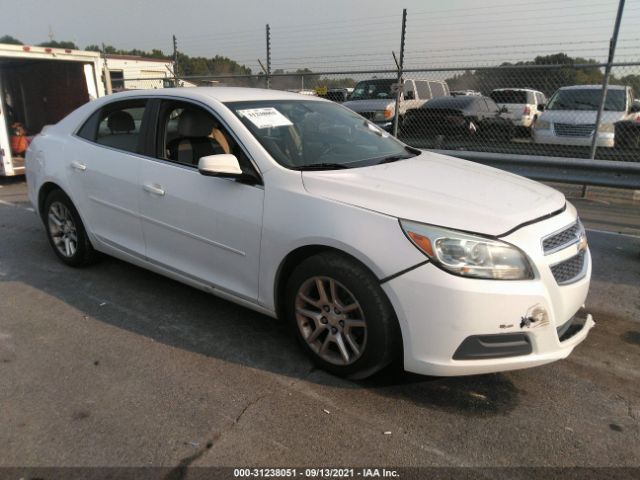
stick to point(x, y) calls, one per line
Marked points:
point(265, 117)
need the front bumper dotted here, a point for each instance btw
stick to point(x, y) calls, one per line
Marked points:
point(549, 137)
point(521, 121)
point(438, 312)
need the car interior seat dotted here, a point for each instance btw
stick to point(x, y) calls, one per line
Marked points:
point(122, 132)
point(199, 135)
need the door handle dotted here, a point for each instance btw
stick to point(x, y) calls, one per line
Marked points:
point(154, 189)
point(78, 166)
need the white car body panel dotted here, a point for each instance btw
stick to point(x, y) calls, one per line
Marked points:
point(440, 190)
point(209, 227)
point(489, 308)
point(231, 239)
point(105, 182)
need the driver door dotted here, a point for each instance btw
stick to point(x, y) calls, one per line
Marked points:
point(205, 228)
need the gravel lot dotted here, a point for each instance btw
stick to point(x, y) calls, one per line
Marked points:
point(116, 366)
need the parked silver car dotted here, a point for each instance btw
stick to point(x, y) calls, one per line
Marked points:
point(570, 116)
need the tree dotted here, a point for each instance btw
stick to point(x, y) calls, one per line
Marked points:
point(62, 44)
point(10, 40)
point(525, 75)
point(632, 80)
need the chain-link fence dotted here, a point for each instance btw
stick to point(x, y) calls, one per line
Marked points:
point(530, 98)
point(534, 110)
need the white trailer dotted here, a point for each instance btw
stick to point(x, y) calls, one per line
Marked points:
point(129, 72)
point(38, 87)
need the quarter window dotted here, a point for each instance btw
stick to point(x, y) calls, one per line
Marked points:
point(116, 125)
point(423, 90)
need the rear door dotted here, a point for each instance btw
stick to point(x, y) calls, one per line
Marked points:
point(104, 165)
point(206, 228)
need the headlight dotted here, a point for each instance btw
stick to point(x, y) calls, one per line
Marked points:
point(469, 255)
point(542, 125)
point(606, 128)
point(385, 114)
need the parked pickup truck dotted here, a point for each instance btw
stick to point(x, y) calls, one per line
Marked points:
point(375, 99)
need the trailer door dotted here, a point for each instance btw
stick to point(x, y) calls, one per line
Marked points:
point(6, 165)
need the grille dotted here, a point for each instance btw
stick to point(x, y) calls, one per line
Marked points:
point(574, 130)
point(562, 239)
point(569, 271)
point(368, 115)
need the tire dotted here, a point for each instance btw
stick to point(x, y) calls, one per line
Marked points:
point(370, 333)
point(62, 222)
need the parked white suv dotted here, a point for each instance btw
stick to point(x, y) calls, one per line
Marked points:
point(376, 99)
point(297, 207)
point(520, 104)
point(569, 117)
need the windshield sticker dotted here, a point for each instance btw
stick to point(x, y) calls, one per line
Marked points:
point(265, 117)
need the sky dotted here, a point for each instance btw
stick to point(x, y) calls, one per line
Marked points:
point(334, 35)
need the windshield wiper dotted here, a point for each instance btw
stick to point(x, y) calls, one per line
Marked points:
point(394, 158)
point(586, 104)
point(321, 166)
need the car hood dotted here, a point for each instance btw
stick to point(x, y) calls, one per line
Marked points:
point(580, 116)
point(368, 105)
point(440, 190)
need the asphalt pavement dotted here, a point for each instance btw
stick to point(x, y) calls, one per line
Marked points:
point(115, 366)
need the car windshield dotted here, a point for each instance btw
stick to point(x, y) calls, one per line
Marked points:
point(372, 89)
point(586, 99)
point(307, 135)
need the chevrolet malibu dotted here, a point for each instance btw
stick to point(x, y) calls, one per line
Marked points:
point(301, 209)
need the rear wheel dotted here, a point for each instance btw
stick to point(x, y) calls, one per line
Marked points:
point(341, 316)
point(66, 232)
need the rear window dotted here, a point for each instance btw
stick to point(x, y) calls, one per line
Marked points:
point(461, 102)
point(510, 96)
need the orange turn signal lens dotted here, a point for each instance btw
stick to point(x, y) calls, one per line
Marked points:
point(388, 113)
point(422, 242)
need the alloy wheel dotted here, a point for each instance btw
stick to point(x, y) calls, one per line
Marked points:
point(62, 229)
point(331, 320)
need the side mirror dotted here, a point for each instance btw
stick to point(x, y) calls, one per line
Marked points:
point(409, 95)
point(223, 165)
point(503, 110)
point(635, 108)
point(541, 107)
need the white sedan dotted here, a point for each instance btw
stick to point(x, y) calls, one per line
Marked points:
point(299, 208)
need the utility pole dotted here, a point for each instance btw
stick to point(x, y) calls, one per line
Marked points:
point(268, 56)
point(605, 81)
point(400, 65)
point(175, 61)
point(105, 71)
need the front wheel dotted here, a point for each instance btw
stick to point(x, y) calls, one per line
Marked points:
point(341, 316)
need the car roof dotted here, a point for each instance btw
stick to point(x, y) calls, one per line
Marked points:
point(221, 94)
point(515, 90)
point(591, 87)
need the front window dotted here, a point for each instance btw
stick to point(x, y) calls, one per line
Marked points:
point(307, 134)
point(587, 99)
point(373, 89)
